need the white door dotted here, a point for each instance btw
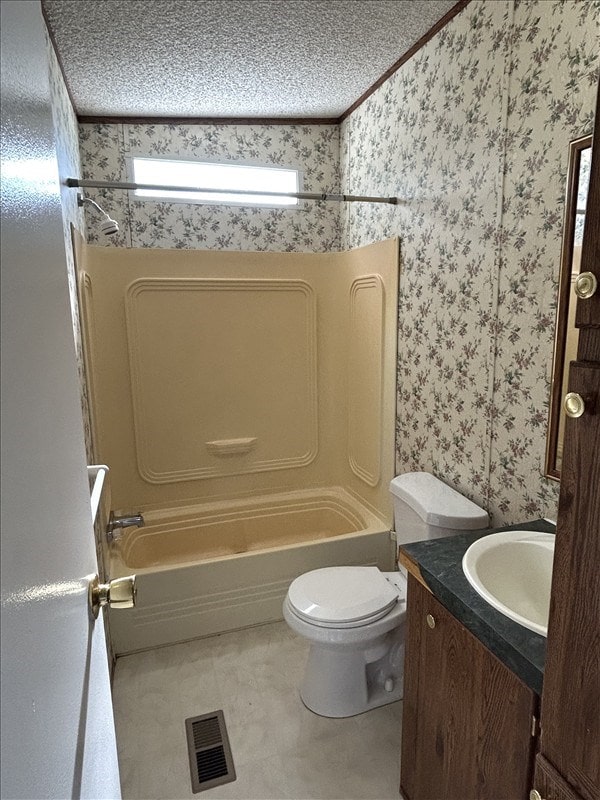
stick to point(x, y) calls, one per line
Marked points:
point(58, 737)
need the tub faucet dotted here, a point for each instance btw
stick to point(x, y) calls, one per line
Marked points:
point(122, 522)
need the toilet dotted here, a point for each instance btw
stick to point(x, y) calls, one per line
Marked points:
point(354, 617)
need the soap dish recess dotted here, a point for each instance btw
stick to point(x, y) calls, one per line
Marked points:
point(231, 447)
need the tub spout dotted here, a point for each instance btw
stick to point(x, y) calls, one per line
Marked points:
point(115, 523)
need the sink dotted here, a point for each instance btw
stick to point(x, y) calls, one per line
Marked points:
point(512, 571)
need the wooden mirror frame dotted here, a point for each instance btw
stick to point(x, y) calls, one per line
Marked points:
point(576, 148)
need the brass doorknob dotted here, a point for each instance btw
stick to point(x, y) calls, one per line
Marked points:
point(120, 593)
point(585, 285)
point(535, 795)
point(430, 620)
point(574, 405)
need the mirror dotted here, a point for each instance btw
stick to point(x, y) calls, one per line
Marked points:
point(567, 335)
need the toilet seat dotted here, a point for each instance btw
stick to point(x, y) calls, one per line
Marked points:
point(342, 597)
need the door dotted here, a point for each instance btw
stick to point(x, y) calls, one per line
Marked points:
point(570, 718)
point(58, 736)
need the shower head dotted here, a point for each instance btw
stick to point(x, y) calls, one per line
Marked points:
point(108, 226)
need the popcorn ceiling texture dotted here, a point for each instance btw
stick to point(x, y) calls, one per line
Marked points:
point(474, 133)
point(233, 58)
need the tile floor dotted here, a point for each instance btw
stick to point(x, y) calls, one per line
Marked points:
point(280, 749)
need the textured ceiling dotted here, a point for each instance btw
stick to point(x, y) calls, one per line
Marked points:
point(231, 58)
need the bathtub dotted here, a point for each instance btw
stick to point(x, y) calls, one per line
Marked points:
point(220, 566)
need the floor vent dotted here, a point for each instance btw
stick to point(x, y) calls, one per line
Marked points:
point(211, 763)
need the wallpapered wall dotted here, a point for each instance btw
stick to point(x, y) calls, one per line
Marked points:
point(472, 133)
point(314, 226)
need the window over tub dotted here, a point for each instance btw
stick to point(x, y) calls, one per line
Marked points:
point(228, 177)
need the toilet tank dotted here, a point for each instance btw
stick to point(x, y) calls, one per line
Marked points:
point(427, 508)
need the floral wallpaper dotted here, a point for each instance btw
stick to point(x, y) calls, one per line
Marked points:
point(314, 149)
point(472, 134)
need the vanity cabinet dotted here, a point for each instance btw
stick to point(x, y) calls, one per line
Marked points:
point(468, 721)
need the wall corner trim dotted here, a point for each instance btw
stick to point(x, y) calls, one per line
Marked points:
point(449, 15)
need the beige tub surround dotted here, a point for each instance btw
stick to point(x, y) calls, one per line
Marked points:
point(244, 402)
point(217, 374)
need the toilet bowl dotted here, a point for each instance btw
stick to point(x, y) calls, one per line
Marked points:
point(354, 617)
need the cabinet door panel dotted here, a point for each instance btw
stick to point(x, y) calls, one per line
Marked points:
point(550, 784)
point(467, 718)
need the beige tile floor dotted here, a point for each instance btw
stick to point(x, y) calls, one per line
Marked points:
point(280, 749)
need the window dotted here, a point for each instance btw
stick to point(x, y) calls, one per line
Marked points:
point(215, 176)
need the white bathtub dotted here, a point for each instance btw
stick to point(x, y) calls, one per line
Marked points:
point(219, 566)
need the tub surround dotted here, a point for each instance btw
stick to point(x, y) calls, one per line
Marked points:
point(245, 405)
point(223, 375)
point(437, 564)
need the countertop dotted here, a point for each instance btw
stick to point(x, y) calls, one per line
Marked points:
point(438, 562)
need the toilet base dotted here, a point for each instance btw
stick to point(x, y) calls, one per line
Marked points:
point(374, 702)
point(339, 682)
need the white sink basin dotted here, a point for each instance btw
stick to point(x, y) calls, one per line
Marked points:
point(512, 570)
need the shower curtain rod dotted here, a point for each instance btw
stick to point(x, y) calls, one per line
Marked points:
point(85, 183)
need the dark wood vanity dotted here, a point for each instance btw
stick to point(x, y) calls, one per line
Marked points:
point(472, 683)
point(468, 721)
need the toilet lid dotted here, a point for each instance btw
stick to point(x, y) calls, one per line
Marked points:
point(342, 594)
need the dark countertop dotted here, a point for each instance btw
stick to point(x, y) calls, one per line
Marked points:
point(440, 565)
